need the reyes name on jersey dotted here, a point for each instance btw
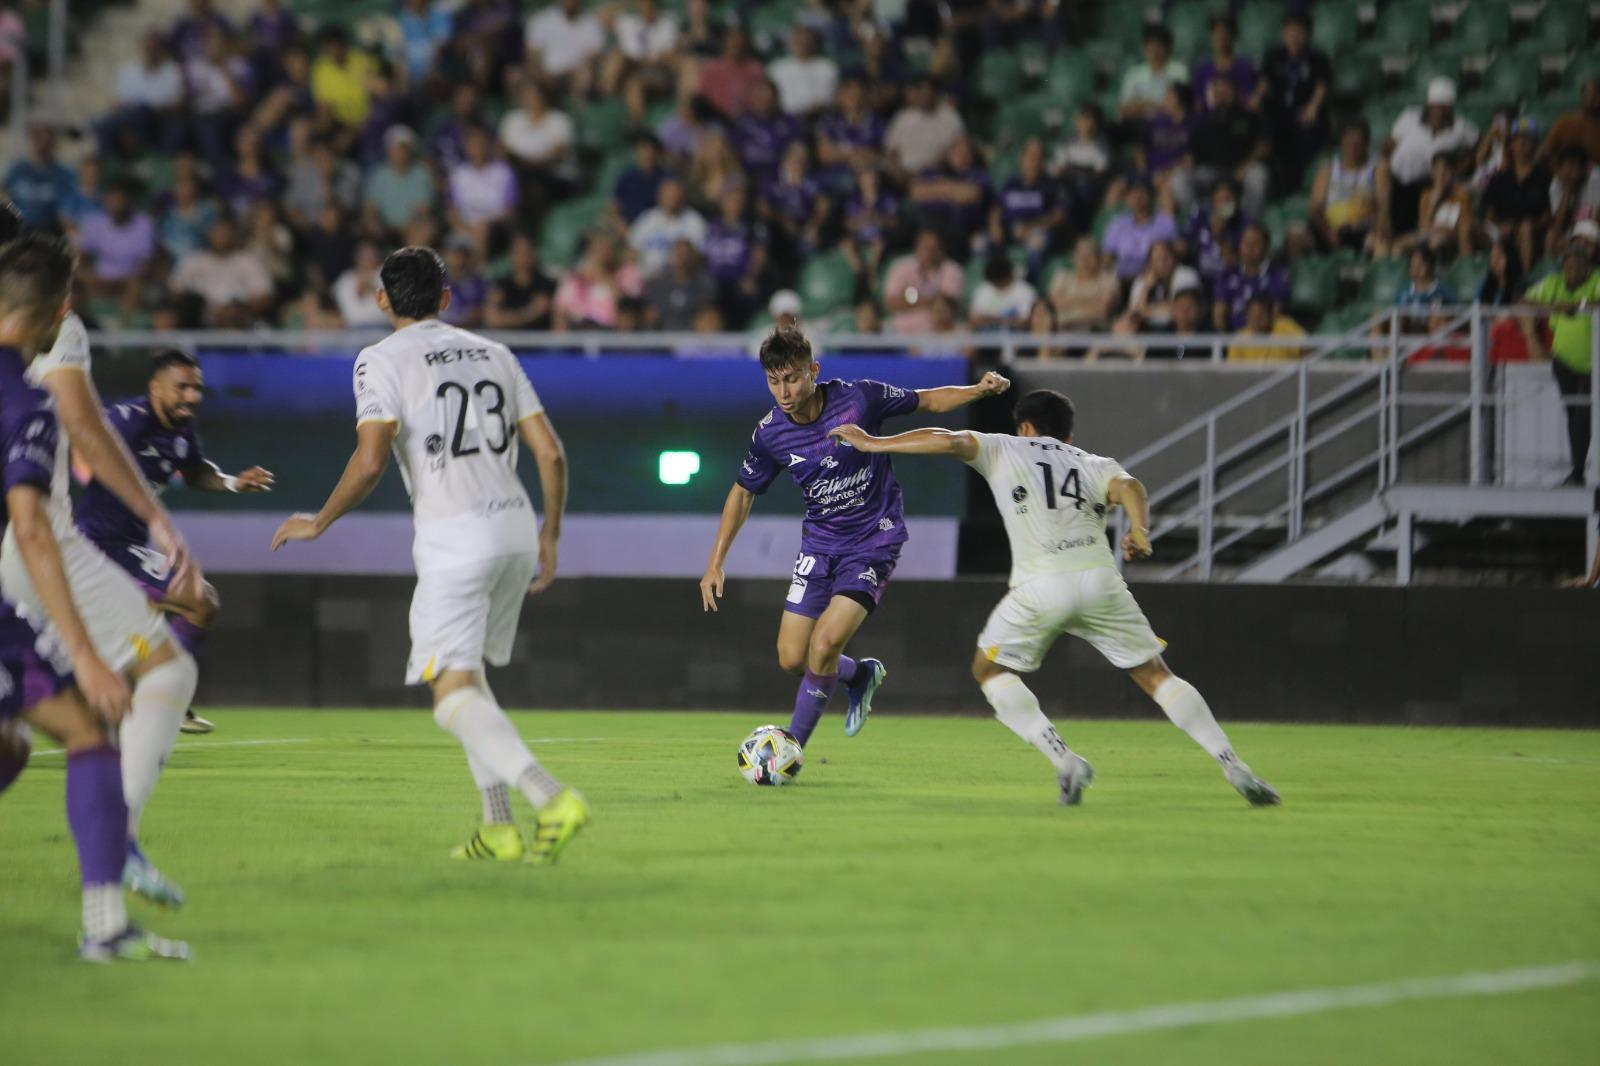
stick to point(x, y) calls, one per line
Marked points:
point(456, 400)
point(1052, 497)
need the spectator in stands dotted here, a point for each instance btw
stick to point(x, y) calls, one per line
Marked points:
point(1188, 315)
point(643, 64)
point(784, 308)
point(1574, 195)
point(1262, 320)
point(271, 30)
point(331, 247)
point(1165, 155)
point(401, 188)
point(883, 72)
point(1210, 239)
point(188, 36)
point(953, 197)
point(1150, 300)
point(850, 136)
point(736, 256)
point(1144, 86)
point(1131, 234)
point(1082, 164)
point(1295, 86)
point(469, 289)
point(923, 130)
point(684, 132)
point(484, 43)
point(1042, 323)
point(1027, 211)
point(675, 297)
point(653, 233)
point(1517, 201)
point(150, 97)
point(564, 42)
point(219, 85)
point(639, 183)
point(1418, 135)
point(39, 184)
point(1422, 300)
point(483, 190)
point(1003, 300)
point(390, 108)
point(319, 178)
point(1493, 147)
point(727, 81)
point(118, 245)
point(915, 280)
point(187, 219)
point(1586, 232)
point(341, 77)
point(1580, 128)
point(714, 170)
point(763, 133)
point(269, 237)
point(805, 79)
point(1230, 141)
point(252, 178)
point(1225, 62)
point(1085, 297)
point(355, 292)
point(541, 143)
point(1571, 295)
point(1445, 222)
point(448, 140)
point(287, 101)
point(1503, 287)
point(871, 217)
point(794, 205)
point(521, 299)
point(1254, 275)
point(87, 194)
point(1350, 198)
point(231, 284)
point(425, 27)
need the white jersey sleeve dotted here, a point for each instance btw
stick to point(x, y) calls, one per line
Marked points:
point(377, 394)
point(69, 352)
point(527, 400)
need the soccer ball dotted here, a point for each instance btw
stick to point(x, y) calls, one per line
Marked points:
point(770, 756)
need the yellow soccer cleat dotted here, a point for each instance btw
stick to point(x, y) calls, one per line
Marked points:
point(559, 822)
point(502, 842)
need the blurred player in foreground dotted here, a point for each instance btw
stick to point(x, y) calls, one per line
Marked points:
point(1053, 498)
point(451, 405)
point(854, 525)
point(159, 431)
point(50, 672)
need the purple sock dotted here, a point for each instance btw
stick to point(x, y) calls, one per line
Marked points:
point(98, 814)
point(847, 669)
point(189, 636)
point(809, 703)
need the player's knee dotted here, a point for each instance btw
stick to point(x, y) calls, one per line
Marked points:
point(826, 647)
point(792, 660)
point(1150, 675)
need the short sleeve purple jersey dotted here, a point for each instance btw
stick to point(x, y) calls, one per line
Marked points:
point(852, 499)
point(164, 454)
point(27, 457)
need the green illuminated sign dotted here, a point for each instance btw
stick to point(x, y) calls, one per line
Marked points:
point(676, 468)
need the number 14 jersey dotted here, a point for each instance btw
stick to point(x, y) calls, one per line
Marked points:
point(456, 399)
point(1052, 497)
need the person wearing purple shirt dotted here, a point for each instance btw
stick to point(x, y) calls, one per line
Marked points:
point(794, 203)
point(119, 242)
point(159, 430)
point(448, 140)
point(1222, 61)
point(188, 36)
point(763, 133)
point(638, 185)
point(953, 198)
point(850, 136)
point(1211, 237)
point(854, 525)
point(1129, 236)
point(735, 251)
point(1028, 209)
point(1254, 275)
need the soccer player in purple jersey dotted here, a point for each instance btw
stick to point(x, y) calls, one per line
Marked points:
point(854, 524)
point(50, 675)
point(159, 430)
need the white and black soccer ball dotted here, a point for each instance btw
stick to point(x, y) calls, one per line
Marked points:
point(770, 756)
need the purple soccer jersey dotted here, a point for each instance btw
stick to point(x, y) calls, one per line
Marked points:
point(163, 453)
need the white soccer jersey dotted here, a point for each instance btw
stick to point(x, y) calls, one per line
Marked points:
point(456, 399)
point(70, 352)
point(1053, 499)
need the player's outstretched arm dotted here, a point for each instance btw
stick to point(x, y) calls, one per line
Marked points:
point(1589, 580)
point(956, 442)
point(734, 511)
point(361, 475)
point(950, 397)
point(548, 453)
point(1128, 492)
point(210, 478)
point(30, 520)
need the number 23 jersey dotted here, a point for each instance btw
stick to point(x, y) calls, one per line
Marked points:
point(456, 400)
point(1052, 497)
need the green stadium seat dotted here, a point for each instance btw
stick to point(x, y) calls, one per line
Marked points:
point(1482, 26)
point(1466, 275)
point(1558, 29)
point(565, 228)
point(1278, 216)
point(1541, 269)
point(999, 76)
point(602, 125)
point(1335, 29)
point(826, 283)
point(610, 169)
point(1034, 59)
point(1356, 74)
point(1344, 320)
point(1545, 111)
point(1380, 113)
point(1404, 27)
point(1582, 68)
point(1314, 286)
point(1191, 31)
point(1030, 116)
point(1510, 78)
point(1383, 278)
point(1260, 27)
point(1070, 78)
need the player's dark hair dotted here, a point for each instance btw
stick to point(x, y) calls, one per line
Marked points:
point(10, 222)
point(36, 272)
point(414, 279)
point(168, 357)
point(1048, 411)
point(784, 347)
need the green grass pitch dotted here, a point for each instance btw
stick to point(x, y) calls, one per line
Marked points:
point(918, 876)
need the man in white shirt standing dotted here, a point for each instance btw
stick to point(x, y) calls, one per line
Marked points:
point(805, 79)
point(1419, 134)
point(644, 63)
point(150, 93)
point(450, 406)
point(563, 42)
point(923, 130)
point(654, 233)
point(540, 141)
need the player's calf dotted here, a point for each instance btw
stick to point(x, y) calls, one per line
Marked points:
point(1182, 703)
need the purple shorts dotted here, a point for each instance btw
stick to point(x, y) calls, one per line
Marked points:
point(819, 578)
point(26, 677)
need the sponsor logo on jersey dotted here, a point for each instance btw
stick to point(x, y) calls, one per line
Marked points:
point(749, 466)
point(829, 462)
point(885, 524)
point(1019, 494)
point(869, 575)
point(796, 460)
point(767, 421)
point(893, 392)
point(505, 503)
point(151, 452)
point(434, 444)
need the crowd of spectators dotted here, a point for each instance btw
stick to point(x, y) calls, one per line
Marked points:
point(256, 173)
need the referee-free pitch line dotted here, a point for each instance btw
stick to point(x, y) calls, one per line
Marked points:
point(1079, 1027)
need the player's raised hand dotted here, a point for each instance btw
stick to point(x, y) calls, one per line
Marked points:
point(253, 480)
point(993, 384)
point(547, 566)
point(711, 587)
point(105, 692)
point(1136, 544)
point(296, 527)
point(852, 435)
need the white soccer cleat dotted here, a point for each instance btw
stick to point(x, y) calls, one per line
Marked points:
point(1251, 787)
point(193, 723)
point(1076, 778)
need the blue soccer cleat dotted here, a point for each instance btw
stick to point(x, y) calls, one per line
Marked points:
point(140, 876)
point(870, 674)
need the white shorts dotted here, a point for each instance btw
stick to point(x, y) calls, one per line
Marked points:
point(465, 613)
point(124, 626)
point(1093, 604)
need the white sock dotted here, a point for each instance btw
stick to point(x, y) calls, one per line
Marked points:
point(1018, 710)
point(1183, 704)
point(105, 912)
point(496, 795)
point(160, 698)
point(488, 736)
